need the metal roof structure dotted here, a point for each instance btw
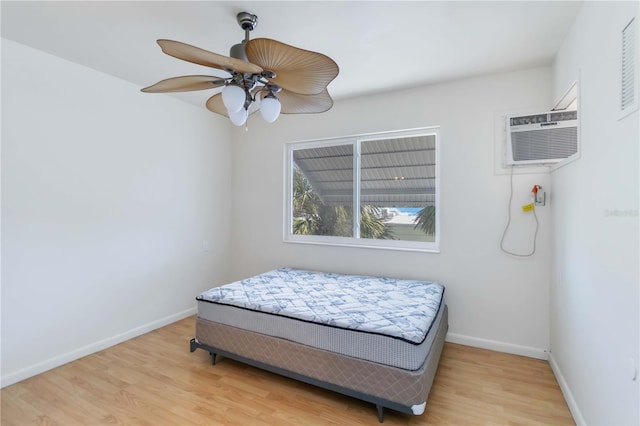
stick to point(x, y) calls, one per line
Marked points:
point(397, 172)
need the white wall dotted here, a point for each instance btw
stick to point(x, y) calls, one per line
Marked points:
point(495, 300)
point(107, 196)
point(594, 298)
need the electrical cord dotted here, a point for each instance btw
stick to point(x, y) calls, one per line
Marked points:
point(504, 234)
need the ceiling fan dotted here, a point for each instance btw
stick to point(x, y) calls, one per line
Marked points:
point(265, 75)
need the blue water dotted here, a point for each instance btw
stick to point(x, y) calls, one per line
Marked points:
point(409, 210)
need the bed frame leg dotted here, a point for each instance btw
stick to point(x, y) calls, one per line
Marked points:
point(213, 358)
point(380, 409)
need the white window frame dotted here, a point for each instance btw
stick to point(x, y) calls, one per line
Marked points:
point(290, 237)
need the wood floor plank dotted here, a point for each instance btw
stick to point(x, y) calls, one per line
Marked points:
point(154, 380)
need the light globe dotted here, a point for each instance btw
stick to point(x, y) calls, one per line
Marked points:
point(270, 108)
point(239, 117)
point(233, 98)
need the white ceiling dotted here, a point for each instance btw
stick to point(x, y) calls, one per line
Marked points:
point(378, 45)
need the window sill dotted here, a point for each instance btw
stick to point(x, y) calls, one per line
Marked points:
point(364, 245)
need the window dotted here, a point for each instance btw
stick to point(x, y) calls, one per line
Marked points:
point(376, 190)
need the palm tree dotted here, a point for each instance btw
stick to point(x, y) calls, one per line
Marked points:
point(426, 220)
point(312, 217)
point(305, 205)
point(371, 225)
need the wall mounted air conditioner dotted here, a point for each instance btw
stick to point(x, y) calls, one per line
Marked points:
point(543, 138)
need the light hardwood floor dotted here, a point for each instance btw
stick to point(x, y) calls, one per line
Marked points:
point(154, 380)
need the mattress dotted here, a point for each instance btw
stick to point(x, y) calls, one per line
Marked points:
point(381, 320)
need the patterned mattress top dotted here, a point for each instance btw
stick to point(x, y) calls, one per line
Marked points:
point(402, 309)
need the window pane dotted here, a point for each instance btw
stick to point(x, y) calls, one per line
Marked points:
point(323, 191)
point(398, 188)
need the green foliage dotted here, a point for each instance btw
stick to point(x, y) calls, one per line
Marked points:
point(305, 202)
point(426, 220)
point(371, 225)
point(312, 217)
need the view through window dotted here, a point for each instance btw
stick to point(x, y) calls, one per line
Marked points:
point(377, 190)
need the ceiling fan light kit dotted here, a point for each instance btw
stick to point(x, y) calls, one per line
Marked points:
point(265, 75)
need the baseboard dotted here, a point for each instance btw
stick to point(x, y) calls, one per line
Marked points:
point(498, 346)
point(566, 391)
point(59, 360)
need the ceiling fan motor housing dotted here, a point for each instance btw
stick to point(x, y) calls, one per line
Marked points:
point(237, 51)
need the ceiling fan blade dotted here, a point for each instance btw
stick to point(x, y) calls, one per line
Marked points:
point(193, 54)
point(215, 104)
point(297, 70)
point(295, 103)
point(185, 84)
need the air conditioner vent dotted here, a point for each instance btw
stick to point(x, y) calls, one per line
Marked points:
point(545, 144)
point(628, 90)
point(542, 138)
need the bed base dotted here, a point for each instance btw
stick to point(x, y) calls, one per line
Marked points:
point(380, 403)
point(421, 380)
